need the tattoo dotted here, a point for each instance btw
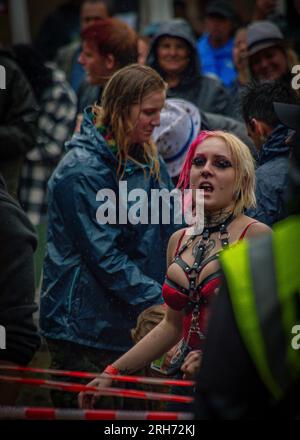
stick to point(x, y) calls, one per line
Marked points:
point(216, 218)
point(208, 248)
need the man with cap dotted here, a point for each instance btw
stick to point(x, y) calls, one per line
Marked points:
point(251, 364)
point(269, 58)
point(215, 47)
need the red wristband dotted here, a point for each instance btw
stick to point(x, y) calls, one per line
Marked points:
point(111, 370)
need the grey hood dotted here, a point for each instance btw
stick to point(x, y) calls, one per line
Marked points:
point(180, 29)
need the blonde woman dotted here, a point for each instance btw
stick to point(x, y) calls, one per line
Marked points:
point(222, 166)
point(100, 275)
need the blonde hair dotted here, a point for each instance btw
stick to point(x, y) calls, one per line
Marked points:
point(127, 87)
point(146, 321)
point(243, 164)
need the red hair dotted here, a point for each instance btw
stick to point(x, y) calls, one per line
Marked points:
point(184, 177)
point(113, 36)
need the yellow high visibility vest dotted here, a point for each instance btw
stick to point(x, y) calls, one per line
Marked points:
point(263, 277)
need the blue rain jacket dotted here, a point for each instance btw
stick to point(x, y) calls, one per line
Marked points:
point(272, 178)
point(98, 278)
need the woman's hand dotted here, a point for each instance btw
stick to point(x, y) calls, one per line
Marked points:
point(191, 364)
point(87, 400)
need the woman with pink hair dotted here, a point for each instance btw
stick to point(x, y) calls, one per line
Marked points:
point(220, 165)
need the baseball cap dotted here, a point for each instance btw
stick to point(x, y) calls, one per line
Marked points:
point(261, 35)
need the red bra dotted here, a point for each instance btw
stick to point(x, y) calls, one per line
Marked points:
point(178, 297)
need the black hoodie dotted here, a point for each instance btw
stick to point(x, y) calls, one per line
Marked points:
point(205, 92)
point(18, 121)
point(17, 246)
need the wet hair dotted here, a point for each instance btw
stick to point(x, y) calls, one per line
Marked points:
point(243, 164)
point(127, 87)
point(113, 36)
point(258, 99)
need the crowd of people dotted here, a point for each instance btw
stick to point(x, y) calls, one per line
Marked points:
point(84, 130)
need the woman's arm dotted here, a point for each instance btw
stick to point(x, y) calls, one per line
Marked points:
point(160, 340)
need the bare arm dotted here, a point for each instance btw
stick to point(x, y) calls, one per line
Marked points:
point(162, 338)
point(157, 342)
point(257, 229)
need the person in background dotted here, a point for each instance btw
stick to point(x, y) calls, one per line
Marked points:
point(61, 27)
point(270, 138)
point(257, 314)
point(174, 55)
point(101, 272)
point(17, 245)
point(143, 49)
point(106, 47)
point(91, 11)
point(270, 57)
point(240, 59)
point(57, 111)
point(263, 9)
point(216, 45)
point(18, 121)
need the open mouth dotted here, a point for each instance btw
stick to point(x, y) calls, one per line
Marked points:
point(207, 187)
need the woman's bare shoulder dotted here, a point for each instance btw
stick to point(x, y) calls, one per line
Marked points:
point(255, 227)
point(173, 241)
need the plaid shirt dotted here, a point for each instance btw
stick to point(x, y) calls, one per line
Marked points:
point(55, 124)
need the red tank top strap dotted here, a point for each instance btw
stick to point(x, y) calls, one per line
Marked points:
point(179, 243)
point(246, 229)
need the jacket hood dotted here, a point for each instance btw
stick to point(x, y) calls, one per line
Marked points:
point(180, 29)
point(89, 138)
point(275, 144)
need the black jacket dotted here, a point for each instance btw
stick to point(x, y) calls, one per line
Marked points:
point(272, 178)
point(17, 246)
point(18, 121)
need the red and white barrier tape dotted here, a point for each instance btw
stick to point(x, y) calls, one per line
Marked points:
point(32, 413)
point(82, 374)
point(118, 392)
